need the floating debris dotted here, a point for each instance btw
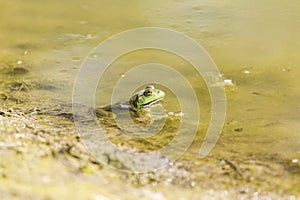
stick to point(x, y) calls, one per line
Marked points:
point(76, 58)
point(246, 72)
point(258, 93)
point(19, 62)
point(238, 130)
point(295, 160)
point(180, 114)
point(63, 70)
point(228, 82)
point(286, 69)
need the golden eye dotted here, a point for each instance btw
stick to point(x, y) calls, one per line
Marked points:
point(148, 92)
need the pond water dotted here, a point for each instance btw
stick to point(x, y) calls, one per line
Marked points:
point(254, 44)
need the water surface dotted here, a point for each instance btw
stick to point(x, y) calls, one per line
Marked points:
point(254, 43)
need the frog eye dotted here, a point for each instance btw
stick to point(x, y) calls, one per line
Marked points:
point(148, 92)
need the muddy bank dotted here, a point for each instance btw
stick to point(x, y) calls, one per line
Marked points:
point(42, 157)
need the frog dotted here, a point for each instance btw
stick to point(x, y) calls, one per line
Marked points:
point(146, 98)
point(138, 105)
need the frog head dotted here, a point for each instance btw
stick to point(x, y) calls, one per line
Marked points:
point(146, 97)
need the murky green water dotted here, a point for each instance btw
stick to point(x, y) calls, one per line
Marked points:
point(254, 43)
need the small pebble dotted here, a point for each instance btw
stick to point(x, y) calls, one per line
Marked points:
point(245, 191)
point(19, 62)
point(226, 192)
point(193, 184)
point(295, 160)
point(255, 196)
point(19, 135)
point(154, 183)
point(168, 181)
point(247, 72)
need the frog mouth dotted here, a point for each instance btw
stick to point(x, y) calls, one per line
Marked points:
point(152, 102)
